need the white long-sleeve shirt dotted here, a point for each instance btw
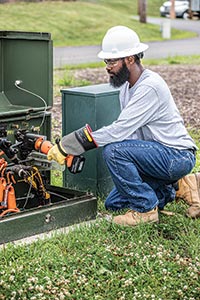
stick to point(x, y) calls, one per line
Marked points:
point(148, 112)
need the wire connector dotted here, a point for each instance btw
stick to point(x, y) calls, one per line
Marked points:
point(18, 82)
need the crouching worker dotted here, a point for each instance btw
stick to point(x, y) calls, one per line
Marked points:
point(147, 148)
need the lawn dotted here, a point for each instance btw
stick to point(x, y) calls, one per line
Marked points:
point(104, 261)
point(80, 22)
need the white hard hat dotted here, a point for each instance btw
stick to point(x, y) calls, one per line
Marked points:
point(121, 41)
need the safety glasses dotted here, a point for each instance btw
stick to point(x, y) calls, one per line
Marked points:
point(112, 62)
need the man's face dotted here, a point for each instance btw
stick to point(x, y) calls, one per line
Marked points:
point(118, 78)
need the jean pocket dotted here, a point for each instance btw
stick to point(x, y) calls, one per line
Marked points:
point(181, 166)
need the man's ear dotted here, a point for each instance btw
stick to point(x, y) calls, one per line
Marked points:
point(131, 59)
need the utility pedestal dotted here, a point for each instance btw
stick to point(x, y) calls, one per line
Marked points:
point(98, 106)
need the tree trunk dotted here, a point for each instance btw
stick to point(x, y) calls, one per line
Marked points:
point(138, 8)
point(142, 10)
point(172, 10)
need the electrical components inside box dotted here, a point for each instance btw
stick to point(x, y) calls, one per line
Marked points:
point(22, 169)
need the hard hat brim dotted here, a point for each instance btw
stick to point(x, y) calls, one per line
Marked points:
point(120, 54)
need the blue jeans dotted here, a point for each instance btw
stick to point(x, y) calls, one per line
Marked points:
point(143, 173)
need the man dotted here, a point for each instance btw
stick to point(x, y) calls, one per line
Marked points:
point(147, 148)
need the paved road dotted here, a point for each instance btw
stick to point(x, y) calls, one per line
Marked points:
point(166, 48)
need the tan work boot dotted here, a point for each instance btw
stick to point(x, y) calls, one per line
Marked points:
point(132, 218)
point(189, 191)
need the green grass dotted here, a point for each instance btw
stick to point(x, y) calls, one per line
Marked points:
point(105, 261)
point(80, 22)
point(128, 6)
point(177, 59)
point(195, 134)
point(69, 80)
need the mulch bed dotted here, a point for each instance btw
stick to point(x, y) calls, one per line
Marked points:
point(183, 81)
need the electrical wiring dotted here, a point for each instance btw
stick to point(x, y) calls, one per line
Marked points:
point(17, 84)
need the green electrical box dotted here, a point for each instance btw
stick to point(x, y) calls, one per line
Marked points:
point(25, 58)
point(68, 207)
point(26, 82)
point(29, 205)
point(98, 106)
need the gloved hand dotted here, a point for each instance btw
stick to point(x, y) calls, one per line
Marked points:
point(55, 154)
point(73, 144)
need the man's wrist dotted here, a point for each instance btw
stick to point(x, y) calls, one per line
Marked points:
point(84, 137)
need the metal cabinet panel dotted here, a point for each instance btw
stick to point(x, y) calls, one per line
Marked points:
point(97, 105)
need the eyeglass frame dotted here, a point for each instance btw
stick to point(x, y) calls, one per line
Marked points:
point(112, 62)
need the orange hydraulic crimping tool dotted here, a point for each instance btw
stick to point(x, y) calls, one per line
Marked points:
point(31, 141)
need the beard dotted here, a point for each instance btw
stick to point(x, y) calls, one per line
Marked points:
point(119, 78)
